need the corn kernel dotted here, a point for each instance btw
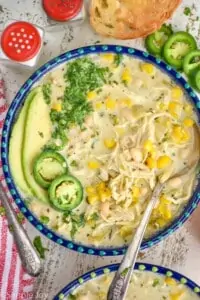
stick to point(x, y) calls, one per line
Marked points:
point(106, 279)
point(126, 75)
point(109, 143)
point(126, 102)
point(108, 56)
point(92, 199)
point(179, 134)
point(101, 186)
point(110, 103)
point(188, 122)
point(161, 222)
point(105, 194)
point(176, 296)
point(164, 200)
point(135, 200)
point(91, 222)
point(167, 214)
point(147, 68)
point(188, 109)
point(135, 191)
point(98, 105)
point(185, 136)
point(168, 123)
point(148, 145)
point(176, 92)
point(153, 153)
point(174, 108)
point(162, 106)
point(91, 95)
point(163, 161)
point(93, 164)
point(90, 190)
point(57, 107)
point(120, 131)
point(96, 238)
point(151, 162)
point(125, 231)
point(101, 295)
point(170, 281)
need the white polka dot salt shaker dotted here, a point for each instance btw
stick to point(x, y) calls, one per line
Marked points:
point(21, 43)
point(63, 12)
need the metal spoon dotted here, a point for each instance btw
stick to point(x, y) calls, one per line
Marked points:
point(29, 257)
point(119, 285)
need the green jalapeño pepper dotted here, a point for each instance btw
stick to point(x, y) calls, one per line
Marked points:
point(197, 80)
point(65, 193)
point(191, 62)
point(194, 79)
point(47, 166)
point(177, 47)
point(155, 41)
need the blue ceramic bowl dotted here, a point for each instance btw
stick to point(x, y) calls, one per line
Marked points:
point(15, 108)
point(112, 268)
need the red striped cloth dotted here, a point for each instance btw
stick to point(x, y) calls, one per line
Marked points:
point(15, 284)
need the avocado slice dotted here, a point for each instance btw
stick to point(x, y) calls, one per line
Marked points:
point(37, 133)
point(15, 147)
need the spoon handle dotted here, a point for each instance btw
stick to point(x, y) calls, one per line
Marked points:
point(119, 285)
point(30, 259)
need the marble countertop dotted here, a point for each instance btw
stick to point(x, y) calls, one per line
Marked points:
point(179, 251)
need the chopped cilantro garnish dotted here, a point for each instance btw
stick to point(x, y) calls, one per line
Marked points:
point(39, 247)
point(76, 221)
point(71, 297)
point(187, 11)
point(155, 282)
point(20, 217)
point(114, 119)
point(59, 139)
point(94, 217)
point(10, 227)
point(46, 89)
point(125, 82)
point(27, 201)
point(74, 163)
point(124, 272)
point(118, 59)
point(41, 134)
point(81, 76)
point(2, 211)
point(44, 219)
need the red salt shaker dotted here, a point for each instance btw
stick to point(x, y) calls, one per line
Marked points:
point(21, 43)
point(63, 12)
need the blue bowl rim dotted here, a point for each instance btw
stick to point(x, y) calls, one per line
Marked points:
point(18, 102)
point(69, 288)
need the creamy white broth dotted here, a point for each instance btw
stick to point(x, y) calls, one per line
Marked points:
point(144, 285)
point(140, 118)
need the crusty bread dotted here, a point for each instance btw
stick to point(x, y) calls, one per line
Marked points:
point(129, 19)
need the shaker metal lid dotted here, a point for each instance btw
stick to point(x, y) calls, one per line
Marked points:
point(20, 41)
point(62, 10)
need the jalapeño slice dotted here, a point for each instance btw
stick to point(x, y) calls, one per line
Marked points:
point(194, 79)
point(191, 62)
point(197, 80)
point(177, 47)
point(65, 193)
point(47, 166)
point(155, 41)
